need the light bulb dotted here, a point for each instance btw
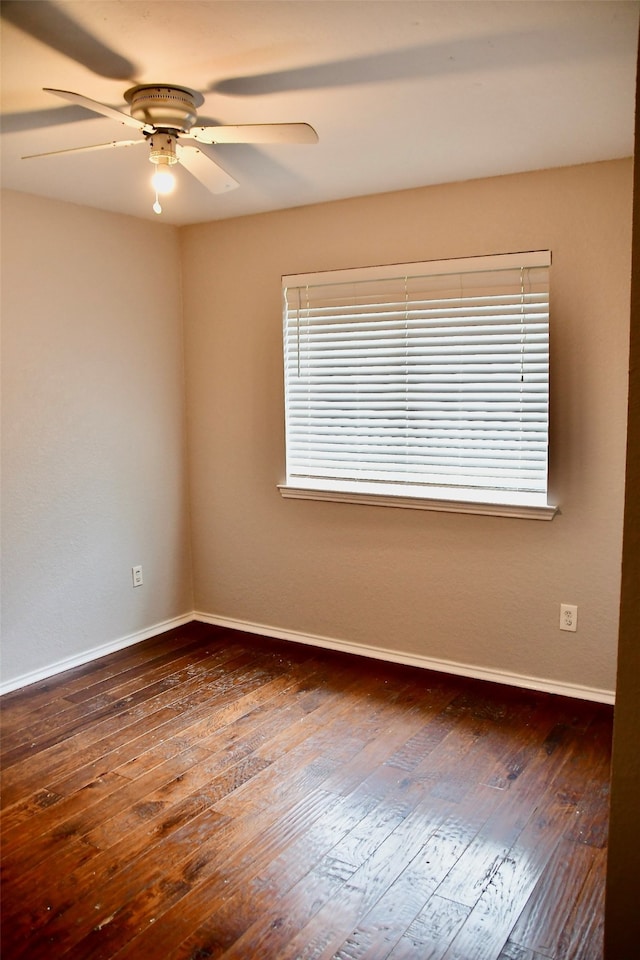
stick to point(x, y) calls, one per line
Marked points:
point(163, 180)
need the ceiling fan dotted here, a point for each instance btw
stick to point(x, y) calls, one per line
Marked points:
point(166, 116)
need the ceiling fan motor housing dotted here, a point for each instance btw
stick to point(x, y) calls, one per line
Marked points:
point(171, 108)
point(163, 148)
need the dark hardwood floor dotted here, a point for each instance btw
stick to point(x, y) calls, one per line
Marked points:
point(211, 794)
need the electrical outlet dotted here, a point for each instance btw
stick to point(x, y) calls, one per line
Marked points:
point(568, 617)
point(136, 576)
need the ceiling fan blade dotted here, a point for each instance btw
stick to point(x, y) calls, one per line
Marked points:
point(206, 170)
point(256, 133)
point(48, 23)
point(103, 109)
point(96, 146)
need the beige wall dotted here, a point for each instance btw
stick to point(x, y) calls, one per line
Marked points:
point(94, 476)
point(481, 591)
point(93, 432)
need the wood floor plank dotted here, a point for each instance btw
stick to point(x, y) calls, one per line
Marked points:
point(399, 908)
point(513, 952)
point(248, 863)
point(160, 724)
point(229, 870)
point(234, 744)
point(30, 702)
point(239, 930)
point(101, 696)
point(576, 876)
point(506, 891)
point(153, 805)
point(125, 694)
point(590, 826)
point(539, 780)
point(210, 793)
point(364, 887)
point(429, 935)
point(213, 664)
point(52, 764)
point(58, 818)
point(583, 935)
point(136, 878)
point(185, 759)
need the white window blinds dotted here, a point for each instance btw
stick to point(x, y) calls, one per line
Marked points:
point(433, 376)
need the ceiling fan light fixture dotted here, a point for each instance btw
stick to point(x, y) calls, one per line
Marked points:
point(163, 148)
point(163, 180)
point(163, 156)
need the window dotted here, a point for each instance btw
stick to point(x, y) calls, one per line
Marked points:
point(422, 385)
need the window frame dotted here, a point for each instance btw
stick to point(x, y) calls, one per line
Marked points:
point(488, 501)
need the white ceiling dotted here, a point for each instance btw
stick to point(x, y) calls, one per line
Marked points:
point(402, 93)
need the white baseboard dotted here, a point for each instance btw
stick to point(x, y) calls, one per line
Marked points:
point(416, 660)
point(329, 643)
point(93, 654)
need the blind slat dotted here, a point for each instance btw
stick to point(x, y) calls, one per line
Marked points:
point(428, 374)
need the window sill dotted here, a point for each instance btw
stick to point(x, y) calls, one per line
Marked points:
point(487, 508)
